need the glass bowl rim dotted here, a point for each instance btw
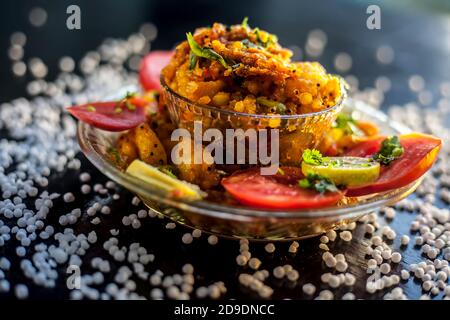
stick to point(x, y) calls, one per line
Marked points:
point(339, 103)
point(227, 211)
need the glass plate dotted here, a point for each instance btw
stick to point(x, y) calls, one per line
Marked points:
point(239, 221)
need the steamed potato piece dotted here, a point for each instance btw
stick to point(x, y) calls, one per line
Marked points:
point(149, 147)
point(204, 175)
point(126, 148)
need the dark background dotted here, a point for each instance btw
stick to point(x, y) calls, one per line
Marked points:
point(418, 31)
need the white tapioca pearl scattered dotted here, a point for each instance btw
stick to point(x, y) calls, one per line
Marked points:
point(135, 224)
point(92, 237)
point(142, 214)
point(389, 213)
point(386, 254)
point(278, 272)
point(105, 210)
point(187, 238)
point(404, 240)
point(404, 274)
point(427, 285)
point(21, 291)
point(213, 240)
point(293, 248)
point(188, 268)
point(348, 296)
point(432, 253)
point(385, 268)
point(69, 197)
point(292, 275)
point(110, 184)
point(126, 221)
point(156, 294)
point(325, 295)
point(341, 266)
point(345, 235)
point(170, 225)
point(419, 273)
point(5, 264)
point(369, 228)
point(340, 257)
point(270, 248)
point(396, 257)
point(246, 254)
point(349, 279)
point(324, 239)
point(439, 243)
point(391, 235)
point(116, 196)
point(415, 225)
point(85, 177)
point(196, 233)
point(254, 263)
point(85, 189)
point(96, 220)
point(372, 264)
point(334, 281)
point(447, 290)
point(331, 235)
point(442, 275)
point(135, 201)
point(418, 240)
point(309, 289)
point(323, 246)
point(376, 240)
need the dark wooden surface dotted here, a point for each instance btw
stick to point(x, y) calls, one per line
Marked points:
point(418, 37)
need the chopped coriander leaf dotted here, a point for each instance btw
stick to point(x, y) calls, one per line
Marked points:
point(130, 95)
point(91, 108)
point(348, 124)
point(204, 52)
point(390, 150)
point(277, 106)
point(317, 182)
point(245, 22)
point(118, 110)
point(249, 44)
point(168, 170)
point(192, 60)
point(130, 106)
point(115, 153)
point(313, 157)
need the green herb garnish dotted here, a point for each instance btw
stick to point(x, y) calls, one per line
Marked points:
point(390, 150)
point(118, 110)
point(278, 107)
point(91, 108)
point(130, 106)
point(205, 52)
point(347, 124)
point(318, 183)
point(115, 153)
point(249, 44)
point(168, 170)
point(192, 60)
point(313, 157)
point(245, 22)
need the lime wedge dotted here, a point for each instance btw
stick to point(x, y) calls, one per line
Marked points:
point(160, 180)
point(347, 171)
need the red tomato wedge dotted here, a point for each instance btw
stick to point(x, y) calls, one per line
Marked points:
point(421, 151)
point(150, 69)
point(279, 191)
point(105, 115)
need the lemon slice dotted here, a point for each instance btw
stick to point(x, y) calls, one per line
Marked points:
point(160, 180)
point(347, 171)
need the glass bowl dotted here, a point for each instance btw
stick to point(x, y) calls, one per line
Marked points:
point(240, 221)
point(297, 132)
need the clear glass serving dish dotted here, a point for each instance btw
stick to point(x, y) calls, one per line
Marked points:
point(240, 221)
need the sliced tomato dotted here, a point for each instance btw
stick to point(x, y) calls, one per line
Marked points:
point(105, 115)
point(279, 191)
point(150, 69)
point(420, 153)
